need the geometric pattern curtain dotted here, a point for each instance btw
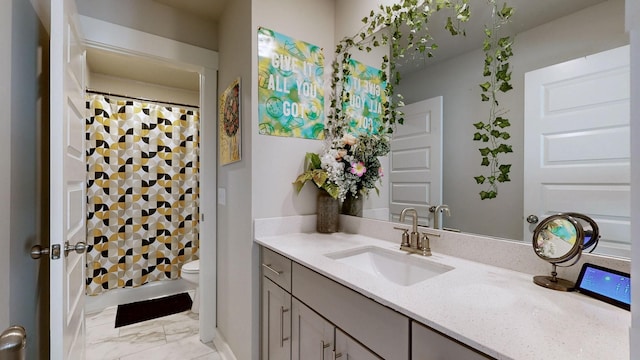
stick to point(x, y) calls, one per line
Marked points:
point(142, 192)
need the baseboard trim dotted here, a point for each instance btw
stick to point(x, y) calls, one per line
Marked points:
point(223, 348)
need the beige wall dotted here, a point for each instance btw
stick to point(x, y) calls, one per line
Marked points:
point(594, 29)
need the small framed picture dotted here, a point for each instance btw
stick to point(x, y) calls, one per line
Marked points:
point(229, 129)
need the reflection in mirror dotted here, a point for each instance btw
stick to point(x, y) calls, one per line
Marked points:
point(561, 31)
point(560, 239)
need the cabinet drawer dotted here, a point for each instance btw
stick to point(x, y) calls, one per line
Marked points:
point(277, 268)
point(384, 331)
point(428, 344)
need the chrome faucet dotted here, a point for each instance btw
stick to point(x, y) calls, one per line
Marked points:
point(413, 238)
point(436, 210)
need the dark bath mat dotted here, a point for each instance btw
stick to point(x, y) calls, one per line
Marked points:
point(150, 309)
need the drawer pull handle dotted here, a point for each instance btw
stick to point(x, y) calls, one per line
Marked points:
point(268, 267)
point(324, 346)
point(282, 338)
point(335, 356)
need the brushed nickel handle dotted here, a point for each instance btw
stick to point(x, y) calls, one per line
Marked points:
point(79, 248)
point(282, 338)
point(335, 356)
point(324, 346)
point(37, 251)
point(268, 267)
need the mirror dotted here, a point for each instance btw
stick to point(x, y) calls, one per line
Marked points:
point(546, 33)
point(557, 239)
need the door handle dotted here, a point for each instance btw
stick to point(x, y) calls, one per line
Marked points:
point(532, 219)
point(79, 248)
point(37, 251)
point(324, 346)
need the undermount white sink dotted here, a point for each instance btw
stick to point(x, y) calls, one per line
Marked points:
point(400, 268)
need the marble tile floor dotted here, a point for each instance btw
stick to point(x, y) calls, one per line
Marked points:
point(173, 337)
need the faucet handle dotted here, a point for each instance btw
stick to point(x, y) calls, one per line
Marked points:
point(424, 245)
point(405, 236)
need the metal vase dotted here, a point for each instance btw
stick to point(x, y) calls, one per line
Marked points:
point(328, 213)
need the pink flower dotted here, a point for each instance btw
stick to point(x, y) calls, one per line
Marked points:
point(380, 172)
point(358, 168)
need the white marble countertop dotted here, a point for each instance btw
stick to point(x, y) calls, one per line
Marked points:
point(498, 311)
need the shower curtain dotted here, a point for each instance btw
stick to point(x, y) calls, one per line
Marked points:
point(142, 192)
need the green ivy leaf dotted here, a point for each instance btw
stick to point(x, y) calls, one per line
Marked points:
point(504, 168)
point(485, 138)
point(479, 179)
point(479, 125)
point(501, 122)
point(505, 86)
point(485, 86)
point(503, 178)
point(485, 97)
point(477, 137)
point(485, 161)
point(504, 148)
point(484, 151)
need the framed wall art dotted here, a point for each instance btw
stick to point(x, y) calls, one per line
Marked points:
point(229, 129)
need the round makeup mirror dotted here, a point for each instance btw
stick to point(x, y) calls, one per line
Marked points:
point(559, 239)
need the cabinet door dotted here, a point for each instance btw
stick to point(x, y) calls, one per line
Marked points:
point(427, 344)
point(349, 349)
point(311, 334)
point(276, 322)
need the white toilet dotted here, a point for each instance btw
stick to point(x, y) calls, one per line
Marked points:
point(191, 273)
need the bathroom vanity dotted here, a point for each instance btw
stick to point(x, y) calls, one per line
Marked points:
point(321, 301)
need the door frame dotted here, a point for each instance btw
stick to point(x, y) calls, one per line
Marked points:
point(106, 36)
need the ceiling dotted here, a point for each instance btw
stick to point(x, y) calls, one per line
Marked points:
point(529, 14)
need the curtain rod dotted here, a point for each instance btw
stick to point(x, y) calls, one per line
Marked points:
point(139, 98)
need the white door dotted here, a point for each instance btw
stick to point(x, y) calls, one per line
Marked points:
point(67, 184)
point(577, 144)
point(416, 160)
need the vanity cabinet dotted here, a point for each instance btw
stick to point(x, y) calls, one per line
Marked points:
point(427, 344)
point(276, 306)
point(348, 348)
point(306, 315)
point(311, 335)
point(276, 322)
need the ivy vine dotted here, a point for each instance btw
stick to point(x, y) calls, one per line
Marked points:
point(494, 132)
point(405, 30)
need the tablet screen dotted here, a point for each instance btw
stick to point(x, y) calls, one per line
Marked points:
point(605, 284)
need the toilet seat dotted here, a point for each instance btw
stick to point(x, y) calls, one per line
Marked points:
point(192, 267)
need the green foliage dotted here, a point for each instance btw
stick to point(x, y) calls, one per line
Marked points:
point(413, 14)
point(494, 132)
point(319, 176)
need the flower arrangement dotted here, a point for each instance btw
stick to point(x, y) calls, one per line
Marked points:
point(347, 166)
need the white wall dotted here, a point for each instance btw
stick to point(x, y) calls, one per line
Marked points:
point(5, 163)
point(154, 18)
point(633, 26)
point(116, 85)
point(589, 31)
point(20, 38)
point(237, 260)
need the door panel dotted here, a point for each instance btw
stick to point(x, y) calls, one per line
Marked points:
point(416, 160)
point(67, 181)
point(578, 144)
point(312, 335)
